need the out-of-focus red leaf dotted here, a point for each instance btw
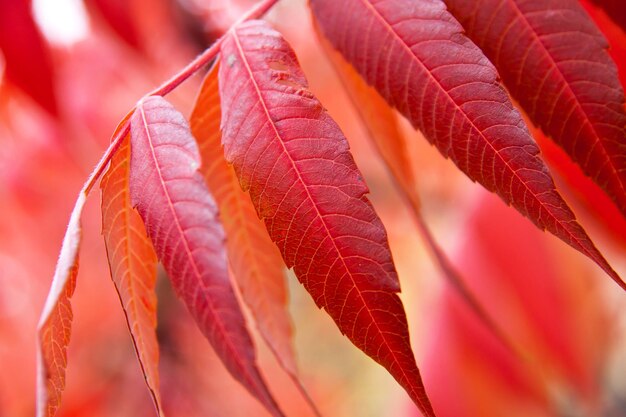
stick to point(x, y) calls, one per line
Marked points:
point(472, 375)
point(181, 220)
point(26, 55)
point(295, 162)
point(614, 9)
point(554, 61)
point(594, 200)
point(449, 90)
point(254, 260)
point(133, 265)
point(552, 305)
point(118, 14)
point(55, 324)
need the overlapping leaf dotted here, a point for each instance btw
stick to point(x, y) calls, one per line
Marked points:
point(554, 61)
point(181, 220)
point(254, 260)
point(295, 162)
point(449, 90)
point(380, 121)
point(133, 264)
point(383, 130)
point(55, 324)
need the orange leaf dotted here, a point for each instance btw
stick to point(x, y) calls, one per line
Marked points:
point(55, 324)
point(254, 259)
point(133, 263)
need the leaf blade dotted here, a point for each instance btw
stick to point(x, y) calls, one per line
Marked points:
point(383, 131)
point(555, 62)
point(255, 262)
point(380, 121)
point(181, 221)
point(295, 162)
point(55, 324)
point(486, 137)
point(133, 266)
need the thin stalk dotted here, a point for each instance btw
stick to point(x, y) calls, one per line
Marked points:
point(256, 12)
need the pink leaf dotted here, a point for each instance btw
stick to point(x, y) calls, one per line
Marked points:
point(181, 220)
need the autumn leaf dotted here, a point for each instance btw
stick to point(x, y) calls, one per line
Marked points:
point(380, 121)
point(384, 133)
point(254, 260)
point(557, 66)
point(55, 324)
point(455, 99)
point(295, 162)
point(133, 264)
point(181, 220)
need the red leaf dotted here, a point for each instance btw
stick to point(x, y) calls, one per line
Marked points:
point(557, 66)
point(295, 162)
point(380, 121)
point(181, 219)
point(254, 259)
point(383, 130)
point(28, 64)
point(449, 90)
point(133, 265)
point(55, 324)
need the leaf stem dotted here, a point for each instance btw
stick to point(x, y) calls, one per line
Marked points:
point(256, 12)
